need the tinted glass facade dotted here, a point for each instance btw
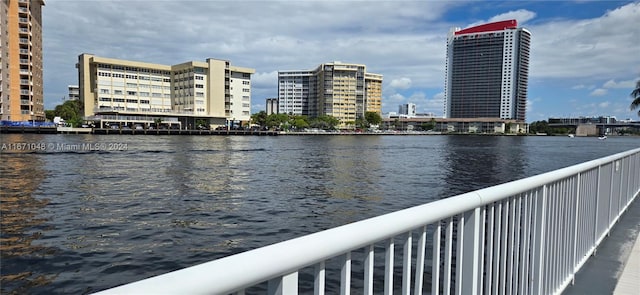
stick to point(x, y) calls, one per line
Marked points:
point(487, 72)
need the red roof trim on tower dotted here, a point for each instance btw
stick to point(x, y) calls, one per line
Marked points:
point(497, 26)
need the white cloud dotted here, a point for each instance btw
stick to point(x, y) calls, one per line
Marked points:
point(405, 41)
point(402, 83)
point(604, 104)
point(398, 98)
point(599, 92)
point(264, 79)
point(521, 15)
point(587, 48)
point(629, 84)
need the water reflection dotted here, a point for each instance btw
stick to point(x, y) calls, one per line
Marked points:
point(21, 223)
point(75, 222)
point(474, 162)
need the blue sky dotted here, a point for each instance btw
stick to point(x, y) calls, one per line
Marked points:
point(584, 57)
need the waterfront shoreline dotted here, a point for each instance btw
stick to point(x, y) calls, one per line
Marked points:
point(106, 131)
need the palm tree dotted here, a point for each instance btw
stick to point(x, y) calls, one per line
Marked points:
point(635, 94)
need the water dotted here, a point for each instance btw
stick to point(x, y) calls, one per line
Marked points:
point(79, 219)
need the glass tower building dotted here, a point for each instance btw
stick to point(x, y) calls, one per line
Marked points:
point(487, 71)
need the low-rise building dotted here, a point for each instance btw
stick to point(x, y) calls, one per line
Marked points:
point(214, 91)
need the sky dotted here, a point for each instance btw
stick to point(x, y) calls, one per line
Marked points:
point(585, 55)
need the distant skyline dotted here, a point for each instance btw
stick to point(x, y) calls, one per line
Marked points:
point(584, 54)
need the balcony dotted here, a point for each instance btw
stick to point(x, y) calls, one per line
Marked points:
point(24, 41)
point(24, 61)
point(23, 20)
point(24, 102)
point(24, 82)
point(24, 92)
point(24, 51)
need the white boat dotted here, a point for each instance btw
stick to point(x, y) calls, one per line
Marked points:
point(602, 137)
point(571, 135)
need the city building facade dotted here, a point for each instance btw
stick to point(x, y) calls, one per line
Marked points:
point(344, 91)
point(487, 70)
point(271, 106)
point(74, 92)
point(21, 82)
point(214, 91)
point(407, 109)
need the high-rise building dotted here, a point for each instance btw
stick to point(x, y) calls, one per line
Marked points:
point(342, 90)
point(272, 106)
point(487, 71)
point(210, 90)
point(295, 88)
point(407, 109)
point(21, 83)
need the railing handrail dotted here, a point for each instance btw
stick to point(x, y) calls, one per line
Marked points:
point(233, 273)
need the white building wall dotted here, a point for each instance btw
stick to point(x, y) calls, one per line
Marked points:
point(507, 103)
point(293, 89)
point(240, 90)
point(133, 89)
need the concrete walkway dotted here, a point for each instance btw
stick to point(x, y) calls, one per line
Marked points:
point(616, 263)
point(629, 282)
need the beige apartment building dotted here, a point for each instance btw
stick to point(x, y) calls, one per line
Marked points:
point(21, 83)
point(342, 90)
point(214, 90)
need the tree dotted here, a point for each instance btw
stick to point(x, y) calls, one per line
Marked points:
point(300, 122)
point(71, 111)
point(361, 123)
point(330, 121)
point(325, 122)
point(50, 114)
point(635, 95)
point(202, 123)
point(372, 118)
point(276, 120)
point(429, 126)
point(260, 118)
point(396, 124)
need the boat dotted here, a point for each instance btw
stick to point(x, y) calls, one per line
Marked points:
point(602, 137)
point(571, 135)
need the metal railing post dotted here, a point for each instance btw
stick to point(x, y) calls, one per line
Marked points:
point(470, 257)
point(539, 221)
point(576, 220)
point(284, 285)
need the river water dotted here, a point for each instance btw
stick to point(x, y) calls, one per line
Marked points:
point(82, 213)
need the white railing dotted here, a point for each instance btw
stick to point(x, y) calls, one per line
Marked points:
point(528, 236)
